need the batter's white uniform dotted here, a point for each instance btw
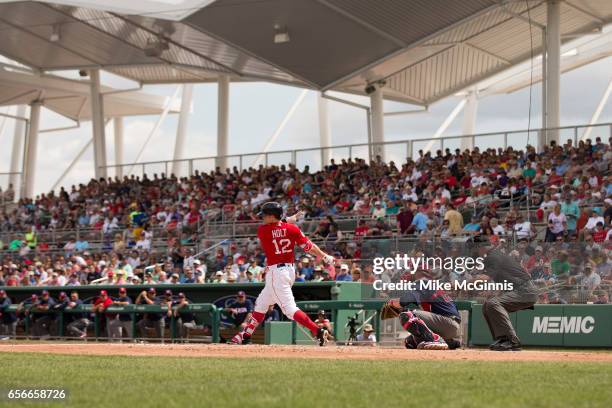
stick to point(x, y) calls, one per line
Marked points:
point(278, 241)
point(279, 280)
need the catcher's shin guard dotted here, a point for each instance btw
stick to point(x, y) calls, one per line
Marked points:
point(416, 327)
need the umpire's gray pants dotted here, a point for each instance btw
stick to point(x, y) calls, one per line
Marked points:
point(497, 308)
point(8, 329)
point(117, 328)
point(443, 326)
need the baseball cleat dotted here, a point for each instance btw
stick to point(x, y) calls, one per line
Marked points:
point(453, 344)
point(323, 336)
point(507, 345)
point(236, 340)
point(497, 342)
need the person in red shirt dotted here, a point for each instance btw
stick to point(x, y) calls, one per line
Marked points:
point(278, 240)
point(361, 230)
point(599, 234)
point(101, 303)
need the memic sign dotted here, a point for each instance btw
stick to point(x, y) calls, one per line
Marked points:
point(563, 324)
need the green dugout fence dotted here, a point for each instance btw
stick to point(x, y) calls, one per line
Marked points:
point(204, 313)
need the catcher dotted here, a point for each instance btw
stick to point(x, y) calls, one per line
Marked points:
point(435, 326)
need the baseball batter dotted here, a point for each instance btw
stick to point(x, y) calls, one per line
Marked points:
point(278, 240)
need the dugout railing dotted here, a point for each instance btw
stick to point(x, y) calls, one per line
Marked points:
point(205, 314)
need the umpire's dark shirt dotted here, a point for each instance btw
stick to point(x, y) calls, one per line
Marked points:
point(502, 267)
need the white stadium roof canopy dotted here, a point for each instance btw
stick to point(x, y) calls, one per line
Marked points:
point(72, 98)
point(425, 50)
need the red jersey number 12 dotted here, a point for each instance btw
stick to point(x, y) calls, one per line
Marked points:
point(282, 247)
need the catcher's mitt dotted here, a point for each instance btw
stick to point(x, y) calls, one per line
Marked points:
point(390, 310)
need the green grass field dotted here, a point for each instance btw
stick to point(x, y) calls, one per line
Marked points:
point(192, 382)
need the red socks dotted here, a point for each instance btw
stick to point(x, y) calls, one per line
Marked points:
point(303, 319)
point(253, 322)
point(257, 317)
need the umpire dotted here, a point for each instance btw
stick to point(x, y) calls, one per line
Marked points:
point(501, 267)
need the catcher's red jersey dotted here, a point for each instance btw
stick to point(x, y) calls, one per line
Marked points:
point(279, 240)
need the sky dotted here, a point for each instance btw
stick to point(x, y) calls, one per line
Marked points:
point(256, 109)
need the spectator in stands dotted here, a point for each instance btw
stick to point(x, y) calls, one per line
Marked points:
point(523, 229)
point(404, 218)
point(367, 336)
point(305, 269)
point(557, 225)
point(219, 277)
point(343, 273)
point(588, 279)
point(419, 222)
point(473, 228)
point(378, 210)
point(560, 267)
point(381, 228)
point(593, 218)
point(571, 211)
point(497, 228)
point(455, 220)
point(361, 230)
point(318, 274)
point(602, 298)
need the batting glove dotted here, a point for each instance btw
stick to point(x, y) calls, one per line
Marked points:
point(328, 260)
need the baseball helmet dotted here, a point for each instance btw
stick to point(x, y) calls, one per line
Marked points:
point(272, 208)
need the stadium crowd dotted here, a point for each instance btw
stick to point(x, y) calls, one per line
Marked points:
point(472, 195)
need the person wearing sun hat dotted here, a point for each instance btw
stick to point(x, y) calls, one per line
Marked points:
point(367, 336)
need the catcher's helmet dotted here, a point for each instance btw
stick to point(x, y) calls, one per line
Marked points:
point(272, 208)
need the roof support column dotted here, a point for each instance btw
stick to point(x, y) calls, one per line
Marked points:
point(118, 135)
point(324, 130)
point(31, 150)
point(181, 130)
point(97, 117)
point(222, 121)
point(469, 120)
point(541, 142)
point(378, 123)
point(553, 68)
point(17, 149)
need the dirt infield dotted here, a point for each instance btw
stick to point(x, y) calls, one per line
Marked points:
point(300, 352)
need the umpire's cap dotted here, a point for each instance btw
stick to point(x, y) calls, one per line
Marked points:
point(272, 208)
